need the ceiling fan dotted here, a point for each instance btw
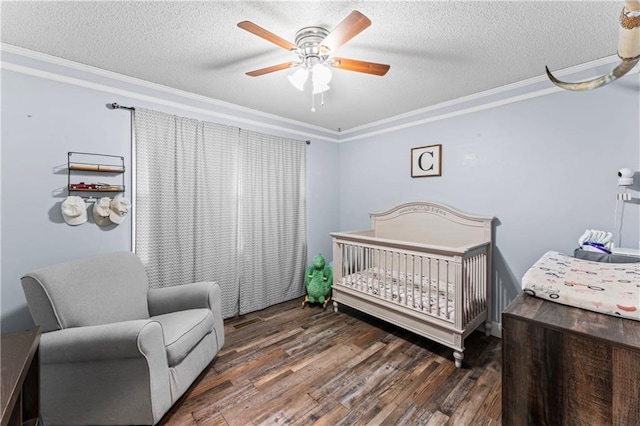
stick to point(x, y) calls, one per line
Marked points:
point(315, 47)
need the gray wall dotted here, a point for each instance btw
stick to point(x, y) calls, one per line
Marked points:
point(322, 198)
point(42, 120)
point(545, 168)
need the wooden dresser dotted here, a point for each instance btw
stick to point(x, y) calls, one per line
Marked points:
point(20, 391)
point(568, 366)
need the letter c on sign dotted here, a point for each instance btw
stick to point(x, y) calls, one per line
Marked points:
point(430, 159)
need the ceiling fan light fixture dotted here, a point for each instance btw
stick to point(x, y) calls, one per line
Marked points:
point(320, 88)
point(299, 78)
point(321, 75)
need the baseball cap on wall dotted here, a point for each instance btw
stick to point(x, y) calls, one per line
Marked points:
point(101, 211)
point(119, 207)
point(74, 210)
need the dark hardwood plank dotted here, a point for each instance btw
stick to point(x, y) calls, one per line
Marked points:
point(469, 407)
point(491, 409)
point(288, 365)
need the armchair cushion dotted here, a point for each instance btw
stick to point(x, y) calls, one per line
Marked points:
point(183, 330)
point(204, 294)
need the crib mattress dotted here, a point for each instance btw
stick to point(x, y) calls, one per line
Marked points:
point(405, 289)
point(608, 288)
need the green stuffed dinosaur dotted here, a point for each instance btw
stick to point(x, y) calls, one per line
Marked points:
point(318, 279)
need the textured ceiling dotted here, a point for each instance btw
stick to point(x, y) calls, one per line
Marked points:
point(438, 51)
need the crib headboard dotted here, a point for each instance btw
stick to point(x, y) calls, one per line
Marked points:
point(431, 223)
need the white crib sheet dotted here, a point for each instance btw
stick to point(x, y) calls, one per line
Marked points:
point(390, 285)
point(608, 288)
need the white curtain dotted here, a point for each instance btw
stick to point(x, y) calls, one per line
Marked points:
point(272, 215)
point(192, 215)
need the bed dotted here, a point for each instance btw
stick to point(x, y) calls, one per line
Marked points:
point(423, 266)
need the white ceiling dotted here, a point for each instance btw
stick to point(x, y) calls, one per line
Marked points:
point(438, 51)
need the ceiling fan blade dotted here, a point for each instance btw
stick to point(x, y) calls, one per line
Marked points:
point(360, 66)
point(350, 27)
point(267, 35)
point(272, 68)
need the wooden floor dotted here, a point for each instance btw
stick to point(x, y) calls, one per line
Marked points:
point(288, 365)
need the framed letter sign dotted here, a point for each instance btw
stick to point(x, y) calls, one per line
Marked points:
point(426, 161)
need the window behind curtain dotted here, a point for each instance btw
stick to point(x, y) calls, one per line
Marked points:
point(214, 203)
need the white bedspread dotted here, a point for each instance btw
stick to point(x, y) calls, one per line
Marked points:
point(608, 288)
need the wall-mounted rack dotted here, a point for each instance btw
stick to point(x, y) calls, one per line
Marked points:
point(86, 162)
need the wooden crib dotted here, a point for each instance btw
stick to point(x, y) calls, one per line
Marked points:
point(423, 266)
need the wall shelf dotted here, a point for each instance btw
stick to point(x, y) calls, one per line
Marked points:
point(96, 167)
point(100, 188)
point(83, 163)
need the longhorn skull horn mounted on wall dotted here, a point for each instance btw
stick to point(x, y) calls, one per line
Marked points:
point(628, 51)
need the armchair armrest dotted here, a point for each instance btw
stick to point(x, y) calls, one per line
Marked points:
point(182, 297)
point(125, 361)
point(127, 339)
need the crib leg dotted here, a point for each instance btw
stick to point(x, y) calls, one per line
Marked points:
point(335, 306)
point(459, 356)
point(487, 328)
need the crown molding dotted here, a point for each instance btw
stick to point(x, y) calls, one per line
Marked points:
point(493, 98)
point(487, 93)
point(66, 71)
point(53, 68)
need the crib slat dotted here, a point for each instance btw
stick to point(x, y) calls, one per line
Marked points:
point(438, 286)
point(345, 272)
point(472, 296)
point(416, 304)
point(446, 301)
point(383, 290)
point(369, 270)
point(406, 279)
point(474, 273)
point(430, 285)
point(421, 302)
point(476, 281)
point(471, 273)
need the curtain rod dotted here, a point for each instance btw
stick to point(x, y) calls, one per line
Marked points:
point(116, 106)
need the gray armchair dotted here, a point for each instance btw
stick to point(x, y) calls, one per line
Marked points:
point(114, 351)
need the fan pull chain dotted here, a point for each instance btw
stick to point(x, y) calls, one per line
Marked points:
point(313, 101)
